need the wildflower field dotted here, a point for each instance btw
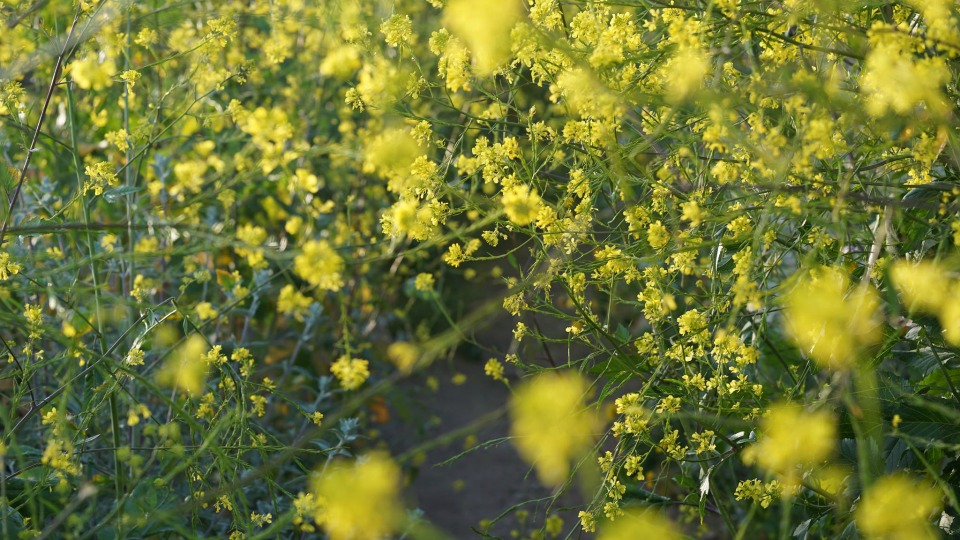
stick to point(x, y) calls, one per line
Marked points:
point(701, 258)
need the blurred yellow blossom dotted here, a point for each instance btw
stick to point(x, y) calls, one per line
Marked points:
point(896, 507)
point(927, 287)
point(341, 62)
point(424, 282)
point(359, 500)
point(397, 30)
point(486, 30)
point(897, 80)
point(93, 71)
point(639, 523)
point(923, 285)
point(184, 368)
point(205, 310)
point(404, 355)
point(293, 302)
point(551, 425)
point(685, 72)
point(792, 438)
point(829, 323)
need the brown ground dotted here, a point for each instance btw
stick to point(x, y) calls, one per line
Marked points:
point(486, 482)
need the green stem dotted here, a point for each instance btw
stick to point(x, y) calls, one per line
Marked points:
point(867, 424)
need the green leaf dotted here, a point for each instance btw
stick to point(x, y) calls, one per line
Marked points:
point(116, 194)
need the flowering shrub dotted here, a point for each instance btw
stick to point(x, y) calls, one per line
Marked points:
point(724, 232)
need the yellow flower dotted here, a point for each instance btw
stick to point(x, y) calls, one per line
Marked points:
point(927, 288)
point(657, 235)
point(293, 302)
point(404, 354)
point(118, 138)
point(34, 314)
point(949, 315)
point(923, 285)
point(424, 282)
point(521, 204)
point(550, 423)
point(830, 324)
point(7, 267)
point(895, 507)
point(494, 369)
point(351, 372)
point(184, 368)
point(205, 311)
point(130, 76)
point(342, 62)
point(91, 74)
point(397, 30)
point(895, 79)
point(359, 500)
point(587, 97)
point(454, 255)
point(134, 357)
point(685, 72)
point(792, 438)
point(486, 31)
point(101, 174)
point(636, 523)
point(692, 213)
point(320, 265)
point(391, 152)
point(250, 237)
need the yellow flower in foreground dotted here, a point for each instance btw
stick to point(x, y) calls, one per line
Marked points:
point(949, 316)
point(926, 287)
point(320, 265)
point(521, 204)
point(830, 324)
point(895, 507)
point(485, 29)
point(896, 80)
point(792, 438)
point(91, 74)
point(685, 72)
point(923, 286)
point(551, 425)
point(359, 500)
point(184, 369)
point(635, 524)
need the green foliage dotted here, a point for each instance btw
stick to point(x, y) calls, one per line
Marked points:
point(233, 227)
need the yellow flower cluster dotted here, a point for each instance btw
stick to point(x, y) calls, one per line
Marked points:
point(351, 372)
point(357, 500)
point(894, 80)
point(927, 287)
point(898, 507)
point(830, 322)
point(792, 439)
point(551, 424)
point(320, 265)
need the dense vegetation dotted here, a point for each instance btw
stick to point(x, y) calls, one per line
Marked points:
point(229, 227)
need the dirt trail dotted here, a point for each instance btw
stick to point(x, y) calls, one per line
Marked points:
point(489, 479)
